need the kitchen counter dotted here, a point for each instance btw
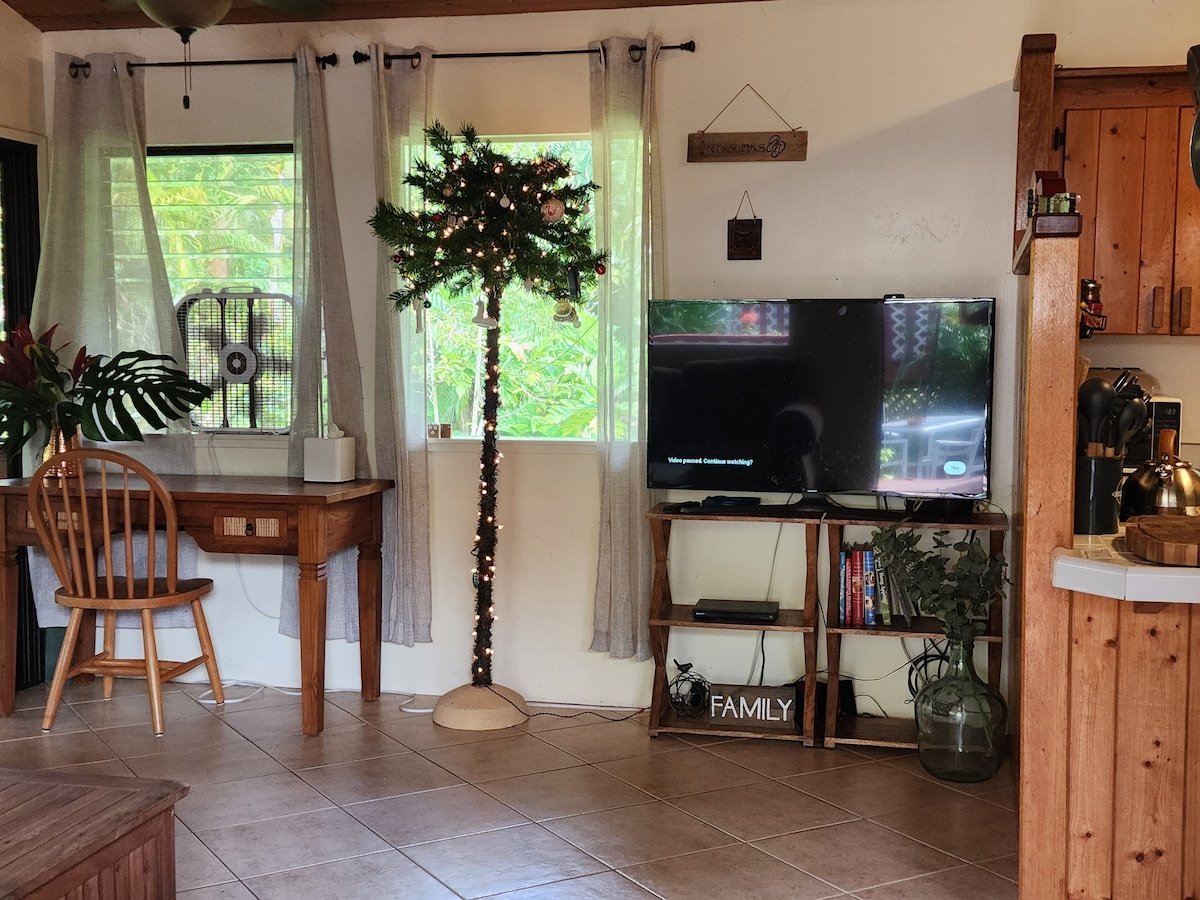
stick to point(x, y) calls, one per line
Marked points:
point(1101, 564)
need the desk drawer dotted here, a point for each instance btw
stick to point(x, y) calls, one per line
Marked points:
point(242, 530)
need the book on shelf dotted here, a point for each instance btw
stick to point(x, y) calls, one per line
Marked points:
point(869, 597)
point(901, 602)
point(883, 598)
point(856, 586)
point(842, 592)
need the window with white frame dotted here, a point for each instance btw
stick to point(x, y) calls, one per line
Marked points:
point(224, 217)
point(548, 385)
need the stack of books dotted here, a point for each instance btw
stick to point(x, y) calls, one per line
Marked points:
point(868, 593)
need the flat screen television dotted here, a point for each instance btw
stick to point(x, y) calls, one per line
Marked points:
point(886, 396)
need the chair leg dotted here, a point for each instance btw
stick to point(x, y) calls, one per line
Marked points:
point(153, 673)
point(60, 670)
point(210, 656)
point(110, 647)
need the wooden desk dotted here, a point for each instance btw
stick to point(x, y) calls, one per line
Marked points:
point(239, 514)
point(87, 836)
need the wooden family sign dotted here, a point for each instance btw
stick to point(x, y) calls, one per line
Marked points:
point(748, 146)
point(733, 706)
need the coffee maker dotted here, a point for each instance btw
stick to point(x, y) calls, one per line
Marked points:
point(1163, 412)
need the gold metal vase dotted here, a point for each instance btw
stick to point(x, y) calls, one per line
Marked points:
point(60, 442)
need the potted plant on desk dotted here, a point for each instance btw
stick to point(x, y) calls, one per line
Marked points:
point(960, 718)
point(42, 398)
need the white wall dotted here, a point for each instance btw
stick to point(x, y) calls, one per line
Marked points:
point(908, 188)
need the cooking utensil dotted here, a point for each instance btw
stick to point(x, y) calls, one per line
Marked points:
point(1097, 400)
point(1130, 422)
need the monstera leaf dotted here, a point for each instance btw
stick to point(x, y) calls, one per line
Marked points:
point(156, 390)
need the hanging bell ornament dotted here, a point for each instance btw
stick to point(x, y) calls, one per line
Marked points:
point(553, 210)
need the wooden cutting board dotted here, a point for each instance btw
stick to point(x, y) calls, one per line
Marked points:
point(1174, 540)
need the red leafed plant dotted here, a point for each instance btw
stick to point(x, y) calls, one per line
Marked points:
point(95, 393)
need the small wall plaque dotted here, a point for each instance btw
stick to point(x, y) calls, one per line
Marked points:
point(744, 236)
point(739, 706)
point(748, 146)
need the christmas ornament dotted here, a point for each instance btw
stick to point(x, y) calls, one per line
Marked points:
point(601, 268)
point(448, 191)
point(564, 312)
point(505, 202)
point(553, 210)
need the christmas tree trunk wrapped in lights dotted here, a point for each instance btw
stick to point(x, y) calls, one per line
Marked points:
point(487, 221)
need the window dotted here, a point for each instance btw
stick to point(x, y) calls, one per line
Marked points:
point(224, 217)
point(548, 380)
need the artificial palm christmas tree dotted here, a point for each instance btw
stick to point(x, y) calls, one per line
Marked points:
point(485, 222)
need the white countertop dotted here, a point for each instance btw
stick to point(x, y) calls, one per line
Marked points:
point(1101, 564)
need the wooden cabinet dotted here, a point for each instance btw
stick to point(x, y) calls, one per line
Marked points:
point(837, 729)
point(1141, 213)
point(1121, 138)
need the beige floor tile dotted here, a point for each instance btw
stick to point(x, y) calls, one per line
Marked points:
point(968, 828)
point(379, 875)
point(564, 792)
point(420, 733)
point(954, 884)
point(1004, 780)
point(373, 779)
point(132, 709)
point(504, 860)
point(637, 834)
point(740, 872)
point(679, 772)
point(112, 767)
point(342, 743)
point(247, 800)
point(505, 757)
point(552, 718)
point(777, 759)
point(77, 692)
point(1004, 866)
point(388, 708)
point(871, 789)
point(291, 842)
point(207, 765)
point(247, 697)
point(193, 733)
point(609, 741)
point(604, 886)
point(233, 891)
point(27, 722)
point(51, 751)
point(751, 812)
point(278, 720)
point(835, 854)
point(32, 697)
point(434, 815)
point(195, 865)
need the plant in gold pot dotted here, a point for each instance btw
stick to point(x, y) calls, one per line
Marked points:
point(960, 718)
point(103, 398)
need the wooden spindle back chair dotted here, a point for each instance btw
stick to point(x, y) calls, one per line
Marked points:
point(78, 518)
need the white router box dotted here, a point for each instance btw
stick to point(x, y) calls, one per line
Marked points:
point(329, 459)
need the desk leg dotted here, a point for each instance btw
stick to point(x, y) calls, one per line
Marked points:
point(370, 603)
point(8, 626)
point(313, 592)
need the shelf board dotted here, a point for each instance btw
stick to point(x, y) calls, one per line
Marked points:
point(680, 616)
point(834, 515)
point(875, 731)
point(921, 627)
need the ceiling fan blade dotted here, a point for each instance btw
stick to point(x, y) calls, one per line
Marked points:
point(300, 7)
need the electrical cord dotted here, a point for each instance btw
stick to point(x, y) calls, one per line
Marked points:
point(585, 712)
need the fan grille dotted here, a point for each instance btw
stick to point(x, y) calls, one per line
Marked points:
point(239, 343)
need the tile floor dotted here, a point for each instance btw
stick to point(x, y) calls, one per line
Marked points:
point(386, 804)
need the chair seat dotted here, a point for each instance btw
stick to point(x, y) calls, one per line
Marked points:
point(186, 590)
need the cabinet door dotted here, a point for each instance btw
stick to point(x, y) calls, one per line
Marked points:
point(1157, 247)
point(1185, 301)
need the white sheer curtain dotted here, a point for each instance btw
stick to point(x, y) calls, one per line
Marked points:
point(324, 329)
point(101, 275)
point(628, 213)
point(401, 103)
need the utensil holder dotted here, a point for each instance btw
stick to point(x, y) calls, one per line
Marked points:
point(1096, 499)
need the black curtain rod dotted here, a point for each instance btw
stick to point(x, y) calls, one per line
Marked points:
point(361, 57)
point(85, 68)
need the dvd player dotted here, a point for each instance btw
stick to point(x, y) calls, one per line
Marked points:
point(736, 611)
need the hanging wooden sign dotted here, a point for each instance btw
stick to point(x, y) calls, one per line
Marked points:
point(747, 146)
point(743, 237)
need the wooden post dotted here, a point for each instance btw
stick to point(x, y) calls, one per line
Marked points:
point(1034, 79)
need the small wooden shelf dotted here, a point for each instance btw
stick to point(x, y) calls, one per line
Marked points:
point(837, 729)
point(680, 616)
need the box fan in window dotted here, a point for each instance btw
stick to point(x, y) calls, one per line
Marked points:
point(238, 341)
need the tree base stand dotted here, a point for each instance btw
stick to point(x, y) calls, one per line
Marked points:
point(473, 708)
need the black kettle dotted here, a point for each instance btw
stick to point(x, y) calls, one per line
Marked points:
point(1165, 486)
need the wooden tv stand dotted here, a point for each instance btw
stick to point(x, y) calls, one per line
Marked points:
point(837, 729)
